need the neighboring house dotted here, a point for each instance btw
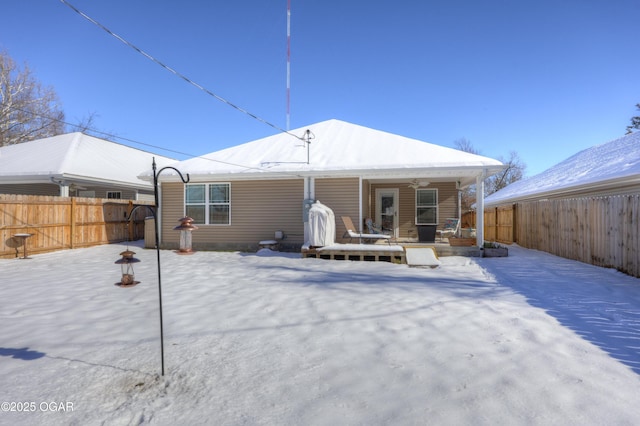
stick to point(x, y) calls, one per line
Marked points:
point(585, 208)
point(244, 194)
point(76, 164)
point(612, 168)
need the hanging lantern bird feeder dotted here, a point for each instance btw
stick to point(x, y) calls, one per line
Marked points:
point(126, 264)
point(185, 228)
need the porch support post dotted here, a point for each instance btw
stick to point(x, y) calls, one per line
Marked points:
point(459, 209)
point(64, 189)
point(361, 219)
point(63, 185)
point(480, 208)
point(309, 194)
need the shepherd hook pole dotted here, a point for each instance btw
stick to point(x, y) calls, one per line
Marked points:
point(155, 193)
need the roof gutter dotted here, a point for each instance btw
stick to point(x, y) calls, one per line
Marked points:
point(370, 173)
point(616, 185)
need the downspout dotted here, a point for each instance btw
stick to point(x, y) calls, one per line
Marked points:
point(480, 208)
point(308, 195)
point(64, 187)
point(459, 230)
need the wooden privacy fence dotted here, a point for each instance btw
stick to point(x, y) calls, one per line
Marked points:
point(499, 224)
point(59, 223)
point(603, 231)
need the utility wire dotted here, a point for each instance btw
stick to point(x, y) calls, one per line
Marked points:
point(176, 73)
point(111, 135)
point(105, 134)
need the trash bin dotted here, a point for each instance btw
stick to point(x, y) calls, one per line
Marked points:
point(149, 232)
point(427, 233)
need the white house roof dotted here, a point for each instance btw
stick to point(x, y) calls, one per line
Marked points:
point(338, 149)
point(599, 168)
point(78, 157)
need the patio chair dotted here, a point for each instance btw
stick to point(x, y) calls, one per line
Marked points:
point(352, 233)
point(372, 227)
point(449, 229)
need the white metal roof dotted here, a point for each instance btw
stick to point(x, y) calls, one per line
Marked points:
point(77, 157)
point(338, 149)
point(599, 168)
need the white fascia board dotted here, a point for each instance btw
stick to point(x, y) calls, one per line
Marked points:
point(44, 178)
point(103, 182)
point(29, 179)
point(453, 173)
point(584, 189)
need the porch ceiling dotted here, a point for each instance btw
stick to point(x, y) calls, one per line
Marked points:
point(466, 177)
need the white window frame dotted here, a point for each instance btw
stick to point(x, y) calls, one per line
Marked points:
point(113, 193)
point(435, 190)
point(207, 202)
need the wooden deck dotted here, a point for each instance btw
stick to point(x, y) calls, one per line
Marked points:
point(363, 252)
point(394, 253)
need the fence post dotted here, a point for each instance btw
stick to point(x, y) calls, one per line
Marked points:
point(514, 223)
point(131, 225)
point(496, 225)
point(72, 224)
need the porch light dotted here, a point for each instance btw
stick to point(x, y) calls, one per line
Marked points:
point(185, 228)
point(126, 264)
point(415, 184)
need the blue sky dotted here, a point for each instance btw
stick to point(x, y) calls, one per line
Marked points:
point(544, 78)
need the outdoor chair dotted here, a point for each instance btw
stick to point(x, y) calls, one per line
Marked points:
point(372, 227)
point(352, 232)
point(449, 229)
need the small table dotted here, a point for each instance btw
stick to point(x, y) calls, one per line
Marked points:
point(23, 237)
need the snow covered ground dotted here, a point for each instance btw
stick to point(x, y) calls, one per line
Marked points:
point(280, 340)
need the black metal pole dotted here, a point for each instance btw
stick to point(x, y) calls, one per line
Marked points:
point(157, 206)
point(155, 224)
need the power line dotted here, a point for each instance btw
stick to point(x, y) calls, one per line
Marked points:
point(288, 63)
point(111, 135)
point(173, 71)
point(100, 132)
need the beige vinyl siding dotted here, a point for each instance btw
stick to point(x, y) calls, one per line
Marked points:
point(54, 190)
point(101, 191)
point(31, 189)
point(258, 209)
point(171, 210)
point(447, 201)
point(366, 199)
point(341, 195)
point(407, 212)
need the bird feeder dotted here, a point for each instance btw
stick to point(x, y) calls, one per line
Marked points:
point(185, 228)
point(126, 264)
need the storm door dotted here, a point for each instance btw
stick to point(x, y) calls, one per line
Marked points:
point(387, 210)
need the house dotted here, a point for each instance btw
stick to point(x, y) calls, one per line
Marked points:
point(76, 164)
point(585, 208)
point(612, 168)
point(244, 194)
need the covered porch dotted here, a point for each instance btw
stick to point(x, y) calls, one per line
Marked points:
point(409, 209)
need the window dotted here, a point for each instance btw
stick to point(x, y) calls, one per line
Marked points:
point(426, 206)
point(114, 195)
point(208, 203)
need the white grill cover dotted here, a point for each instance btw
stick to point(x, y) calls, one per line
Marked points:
point(322, 225)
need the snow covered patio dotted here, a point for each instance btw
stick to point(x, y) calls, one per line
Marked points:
point(282, 340)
